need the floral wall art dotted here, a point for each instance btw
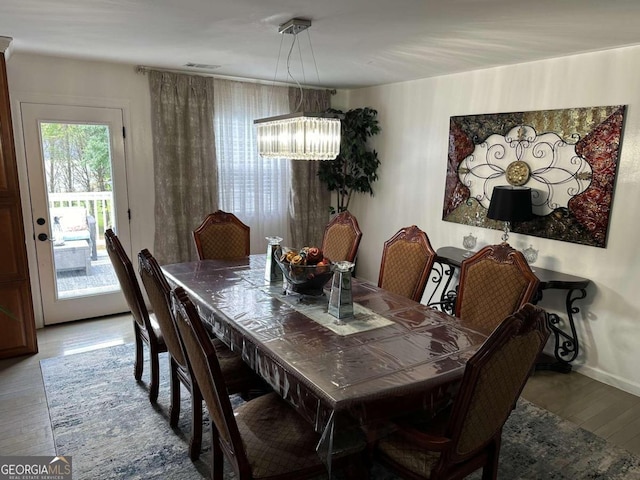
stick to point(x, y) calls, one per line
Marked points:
point(567, 157)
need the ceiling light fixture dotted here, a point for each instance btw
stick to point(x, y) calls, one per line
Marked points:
point(299, 135)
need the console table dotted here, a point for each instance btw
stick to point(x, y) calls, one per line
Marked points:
point(566, 343)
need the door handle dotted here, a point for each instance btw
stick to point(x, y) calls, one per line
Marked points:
point(43, 237)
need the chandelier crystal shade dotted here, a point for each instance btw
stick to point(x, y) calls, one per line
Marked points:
point(299, 135)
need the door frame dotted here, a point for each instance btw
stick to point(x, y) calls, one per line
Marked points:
point(27, 211)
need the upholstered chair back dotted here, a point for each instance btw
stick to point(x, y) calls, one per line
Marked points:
point(204, 366)
point(467, 435)
point(494, 378)
point(158, 291)
point(220, 236)
point(494, 283)
point(341, 238)
point(127, 279)
point(407, 259)
point(145, 326)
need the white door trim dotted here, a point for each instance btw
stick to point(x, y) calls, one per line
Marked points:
point(16, 98)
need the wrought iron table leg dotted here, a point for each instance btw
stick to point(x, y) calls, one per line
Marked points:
point(566, 347)
point(443, 272)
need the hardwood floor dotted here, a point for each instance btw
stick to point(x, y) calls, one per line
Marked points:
point(25, 428)
point(604, 410)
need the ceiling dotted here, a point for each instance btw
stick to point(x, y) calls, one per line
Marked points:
point(356, 42)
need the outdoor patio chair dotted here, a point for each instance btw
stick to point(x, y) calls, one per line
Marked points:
point(144, 324)
point(467, 435)
point(494, 283)
point(238, 376)
point(341, 238)
point(222, 235)
point(74, 224)
point(407, 258)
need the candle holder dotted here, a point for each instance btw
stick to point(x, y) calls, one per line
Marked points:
point(340, 299)
point(272, 272)
point(469, 243)
point(530, 255)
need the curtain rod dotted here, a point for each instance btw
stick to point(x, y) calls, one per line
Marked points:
point(143, 69)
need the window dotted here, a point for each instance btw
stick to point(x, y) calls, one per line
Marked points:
point(256, 190)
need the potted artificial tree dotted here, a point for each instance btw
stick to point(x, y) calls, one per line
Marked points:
point(354, 169)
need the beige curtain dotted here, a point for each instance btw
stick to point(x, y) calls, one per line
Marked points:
point(308, 199)
point(184, 161)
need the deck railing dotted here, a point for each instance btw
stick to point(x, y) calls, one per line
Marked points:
point(98, 204)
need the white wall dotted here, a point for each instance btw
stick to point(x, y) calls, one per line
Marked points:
point(412, 146)
point(414, 117)
point(44, 79)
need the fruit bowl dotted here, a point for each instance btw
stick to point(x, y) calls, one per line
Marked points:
point(303, 279)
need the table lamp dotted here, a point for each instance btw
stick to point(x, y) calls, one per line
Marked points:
point(510, 204)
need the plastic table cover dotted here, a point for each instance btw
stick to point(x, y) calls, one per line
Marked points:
point(369, 375)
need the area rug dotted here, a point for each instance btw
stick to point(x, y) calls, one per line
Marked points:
point(102, 417)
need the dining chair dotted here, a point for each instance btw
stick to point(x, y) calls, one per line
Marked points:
point(145, 326)
point(238, 376)
point(264, 437)
point(341, 238)
point(467, 435)
point(222, 235)
point(494, 283)
point(407, 258)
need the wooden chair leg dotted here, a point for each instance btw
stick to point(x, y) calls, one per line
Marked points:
point(195, 444)
point(490, 470)
point(174, 409)
point(139, 360)
point(154, 384)
point(217, 458)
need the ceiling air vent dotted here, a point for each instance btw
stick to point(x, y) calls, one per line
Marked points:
point(202, 66)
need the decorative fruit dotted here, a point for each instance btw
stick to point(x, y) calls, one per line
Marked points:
point(305, 270)
point(314, 255)
point(306, 256)
point(290, 255)
point(297, 260)
point(322, 266)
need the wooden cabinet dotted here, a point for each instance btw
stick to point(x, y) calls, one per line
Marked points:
point(17, 325)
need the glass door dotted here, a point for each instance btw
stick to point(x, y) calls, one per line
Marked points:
point(77, 185)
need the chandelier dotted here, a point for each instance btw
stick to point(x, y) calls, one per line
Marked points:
point(299, 135)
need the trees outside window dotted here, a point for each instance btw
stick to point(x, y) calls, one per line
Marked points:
point(77, 157)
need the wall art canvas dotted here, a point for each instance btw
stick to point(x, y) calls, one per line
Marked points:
point(567, 157)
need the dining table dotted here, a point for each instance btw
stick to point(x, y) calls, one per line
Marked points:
point(394, 356)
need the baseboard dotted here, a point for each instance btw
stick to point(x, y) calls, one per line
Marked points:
point(609, 379)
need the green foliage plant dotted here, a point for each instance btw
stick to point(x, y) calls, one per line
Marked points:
point(354, 169)
point(77, 157)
